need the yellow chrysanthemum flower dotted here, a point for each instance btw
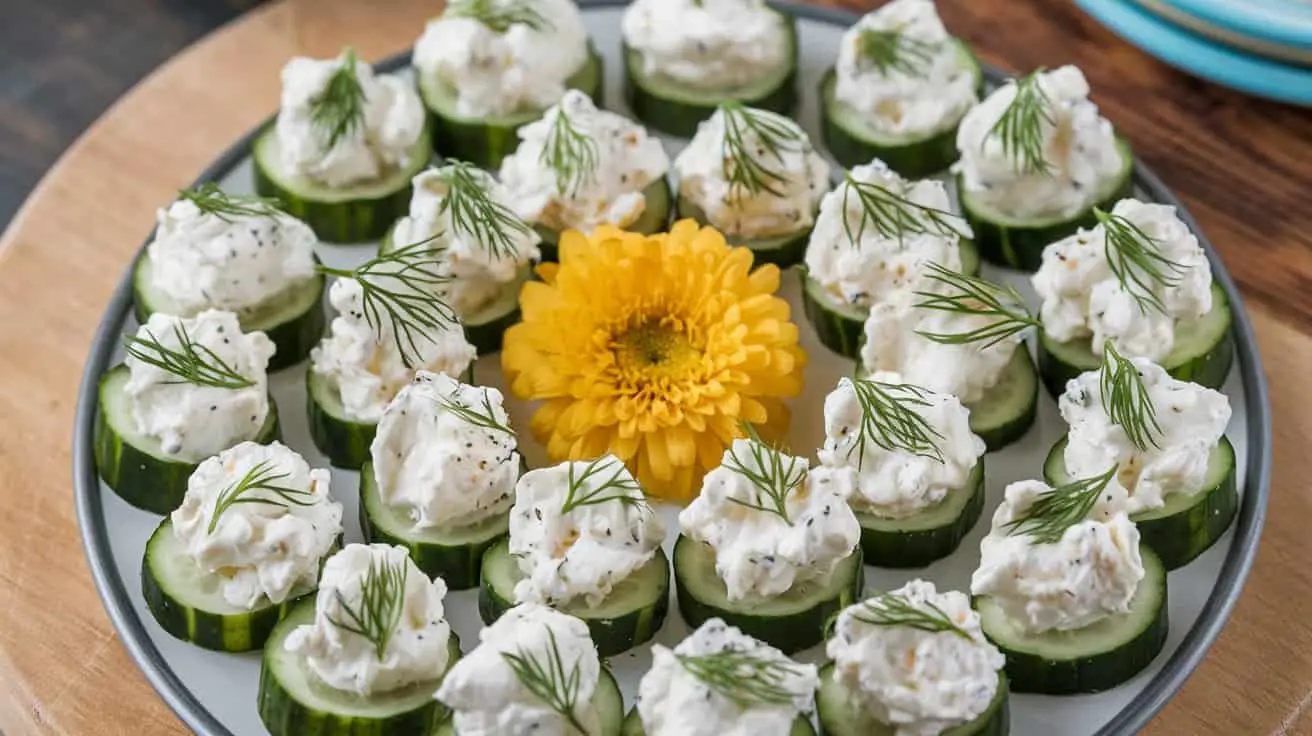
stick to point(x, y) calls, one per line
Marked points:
point(654, 348)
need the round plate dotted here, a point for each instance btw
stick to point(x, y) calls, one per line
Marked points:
point(214, 694)
point(1283, 22)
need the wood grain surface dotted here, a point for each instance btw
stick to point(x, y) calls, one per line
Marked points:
point(1241, 165)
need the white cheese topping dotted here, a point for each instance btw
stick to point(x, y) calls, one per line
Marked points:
point(793, 176)
point(707, 44)
point(673, 701)
point(920, 682)
point(488, 698)
point(928, 93)
point(416, 644)
point(1079, 146)
point(260, 520)
point(760, 554)
point(366, 366)
point(854, 255)
point(1192, 420)
point(610, 161)
point(578, 529)
point(517, 67)
point(1082, 297)
point(897, 483)
point(192, 421)
point(392, 121)
point(1090, 574)
point(437, 457)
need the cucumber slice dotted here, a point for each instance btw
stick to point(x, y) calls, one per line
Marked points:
point(655, 219)
point(294, 320)
point(672, 107)
point(852, 141)
point(1006, 241)
point(929, 535)
point(791, 622)
point(783, 250)
point(484, 142)
point(1189, 524)
point(359, 213)
point(839, 715)
point(631, 615)
point(133, 465)
point(1087, 660)
point(455, 555)
point(606, 702)
point(1202, 354)
point(293, 701)
point(633, 726)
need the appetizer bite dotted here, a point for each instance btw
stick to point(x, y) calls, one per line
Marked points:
point(912, 661)
point(721, 682)
point(899, 91)
point(1036, 159)
point(919, 469)
point(583, 539)
point(754, 176)
point(487, 67)
point(1138, 279)
point(1167, 441)
point(365, 656)
point(244, 546)
point(214, 250)
point(189, 388)
point(534, 671)
point(345, 145)
point(770, 546)
point(684, 58)
point(442, 476)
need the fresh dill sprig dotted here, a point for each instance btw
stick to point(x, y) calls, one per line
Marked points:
point(211, 200)
point(339, 110)
point(895, 51)
point(773, 478)
point(1052, 513)
point(259, 478)
point(889, 609)
point(382, 599)
point(1126, 399)
point(1135, 259)
point(569, 152)
point(619, 485)
point(500, 15)
point(484, 417)
point(751, 137)
point(743, 677)
point(892, 215)
point(889, 419)
point(475, 213)
point(1020, 129)
point(1002, 305)
point(191, 362)
point(549, 680)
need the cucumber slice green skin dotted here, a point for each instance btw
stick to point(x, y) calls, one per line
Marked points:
point(1186, 526)
point(782, 251)
point(912, 542)
point(839, 716)
point(633, 726)
point(655, 219)
point(791, 632)
point(1208, 370)
point(607, 703)
point(146, 480)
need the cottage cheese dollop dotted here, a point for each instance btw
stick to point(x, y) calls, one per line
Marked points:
point(1083, 298)
point(1079, 146)
point(487, 697)
point(392, 122)
point(191, 421)
point(501, 71)
point(707, 44)
point(261, 552)
point(417, 648)
point(606, 187)
point(584, 550)
point(759, 554)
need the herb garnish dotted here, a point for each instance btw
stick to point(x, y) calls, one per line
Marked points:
point(211, 200)
point(744, 677)
point(967, 295)
point(1020, 129)
point(1052, 513)
point(894, 50)
point(889, 609)
point(261, 477)
point(339, 110)
point(382, 599)
point(619, 485)
point(773, 478)
point(548, 680)
point(1136, 260)
point(1126, 399)
point(892, 215)
point(191, 362)
point(500, 15)
point(484, 417)
point(744, 164)
point(569, 152)
point(889, 419)
point(475, 213)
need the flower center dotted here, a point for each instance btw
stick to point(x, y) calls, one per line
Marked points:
point(655, 347)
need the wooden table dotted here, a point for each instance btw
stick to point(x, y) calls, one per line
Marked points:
point(1243, 166)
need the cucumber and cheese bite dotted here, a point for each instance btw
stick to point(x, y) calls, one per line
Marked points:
point(580, 167)
point(487, 68)
point(442, 476)
point(1138, 279)
point(899, 90)
point(1036, 159)
point(919, 469)
point(534, 671)
point(584, 540)
point(245, 544)
point(769, 546)
point(1167, 441)
point(189, 388)
point(912, 661)
point(344, 147)
point(684, 58)
point(721, 682)
point(365, 656)
point(214, 250)
point(753, 175)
